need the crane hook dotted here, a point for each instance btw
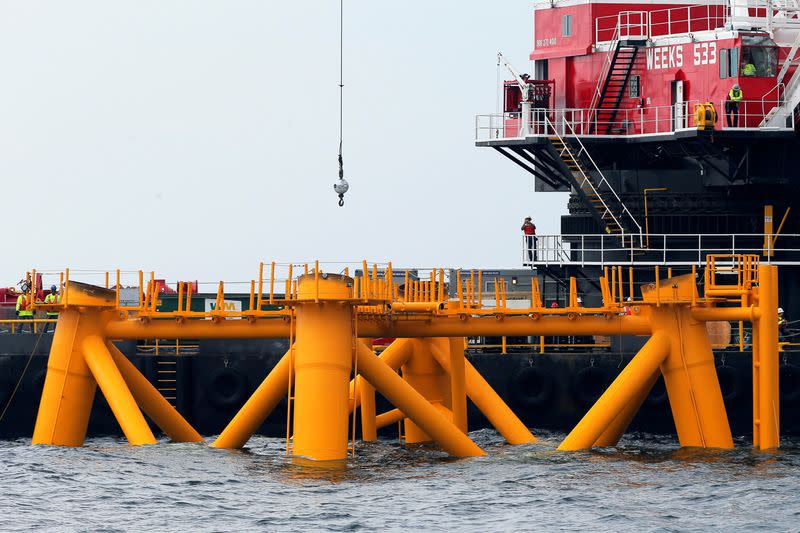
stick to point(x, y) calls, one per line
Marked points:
point(341, 186)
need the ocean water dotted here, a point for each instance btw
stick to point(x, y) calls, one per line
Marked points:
point(645, 484)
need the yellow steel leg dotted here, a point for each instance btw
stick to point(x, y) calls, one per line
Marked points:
point(322, 365)
point(152, 402)
point(756, 386)
point(257, 408)
point(69, 386)
point(458, 388)
point(619, 394)
point(388, 418)
point(489, 402)
point(691, 380)
point(617, 428)
point(413, 404)
point(395, 355)
point(119, 398)
point(769, 398)
point(429, 379)
point(369, 430)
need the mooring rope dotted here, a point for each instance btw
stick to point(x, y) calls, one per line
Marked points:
point(22, 376)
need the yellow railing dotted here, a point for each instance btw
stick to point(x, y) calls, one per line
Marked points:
point(36, 323)
point(169, 347)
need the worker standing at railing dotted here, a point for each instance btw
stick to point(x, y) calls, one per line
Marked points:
point(23, 308)
point(51, 299)
point(529, 230)
point(735, 96)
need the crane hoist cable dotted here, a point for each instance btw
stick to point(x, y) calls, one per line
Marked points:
point(341, 186)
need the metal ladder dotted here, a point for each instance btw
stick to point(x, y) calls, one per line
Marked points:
point(167, 378)
point(598, 193)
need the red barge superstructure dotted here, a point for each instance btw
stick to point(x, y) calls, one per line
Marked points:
point(621, 102)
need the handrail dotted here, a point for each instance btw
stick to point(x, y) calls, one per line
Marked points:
point(666, 249)
point(630, 122)
point(610, 188)
point(586, 178)
point(604, 72)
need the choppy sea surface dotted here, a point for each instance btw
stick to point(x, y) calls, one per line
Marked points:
point(644, 484)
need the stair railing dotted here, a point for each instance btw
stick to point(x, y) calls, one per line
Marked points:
point(604, 72)
point(585, 178)
point(603, 182)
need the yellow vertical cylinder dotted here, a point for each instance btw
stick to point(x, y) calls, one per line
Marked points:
point(322, 364)
point(414, 405)
point(68, 387)
point(152, 402)
point(458, 388)
point(119, 398)
point(369, 430)
point(366, 394)
point(619, 394)
point(489, 402)
point(769, 398)
point(755, 342)
point(768, 229)
point(429, 379)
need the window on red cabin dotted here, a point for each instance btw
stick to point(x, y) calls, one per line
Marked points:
point(759, 57)
point(723, 63)
point(759, 61)
point(566, 25)
point(634, 87)
point(733, 62)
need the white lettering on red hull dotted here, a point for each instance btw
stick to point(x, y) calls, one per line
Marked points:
point(664, 57)
point(667, 57)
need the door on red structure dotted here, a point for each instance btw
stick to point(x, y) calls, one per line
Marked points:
point(678, 106)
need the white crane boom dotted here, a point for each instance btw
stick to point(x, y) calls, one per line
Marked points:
point(527, 94)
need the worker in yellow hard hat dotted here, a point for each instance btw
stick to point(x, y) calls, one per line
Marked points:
point(735, 96)
point(23, 308)
point(52, 298)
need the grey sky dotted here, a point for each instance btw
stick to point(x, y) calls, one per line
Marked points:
point(198, 137)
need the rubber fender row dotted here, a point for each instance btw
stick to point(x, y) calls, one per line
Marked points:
point(534, 387)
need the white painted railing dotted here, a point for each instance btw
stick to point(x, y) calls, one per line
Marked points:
point(630, 122)
point(663, 249)
point(746, 14)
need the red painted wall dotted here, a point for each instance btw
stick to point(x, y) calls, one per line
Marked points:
point(576, 68)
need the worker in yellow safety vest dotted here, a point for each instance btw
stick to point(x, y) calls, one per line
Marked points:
point(51, 299)
point(735, 96)
point(24, 310)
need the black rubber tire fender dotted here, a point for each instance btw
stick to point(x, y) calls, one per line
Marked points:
point(730, 382)
point(6, 387)
point(533, 387)
point(590, 383)
point(790, 383)
point(226, 387)
point(658, 394)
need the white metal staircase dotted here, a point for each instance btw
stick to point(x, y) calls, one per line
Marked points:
point(597, 191)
